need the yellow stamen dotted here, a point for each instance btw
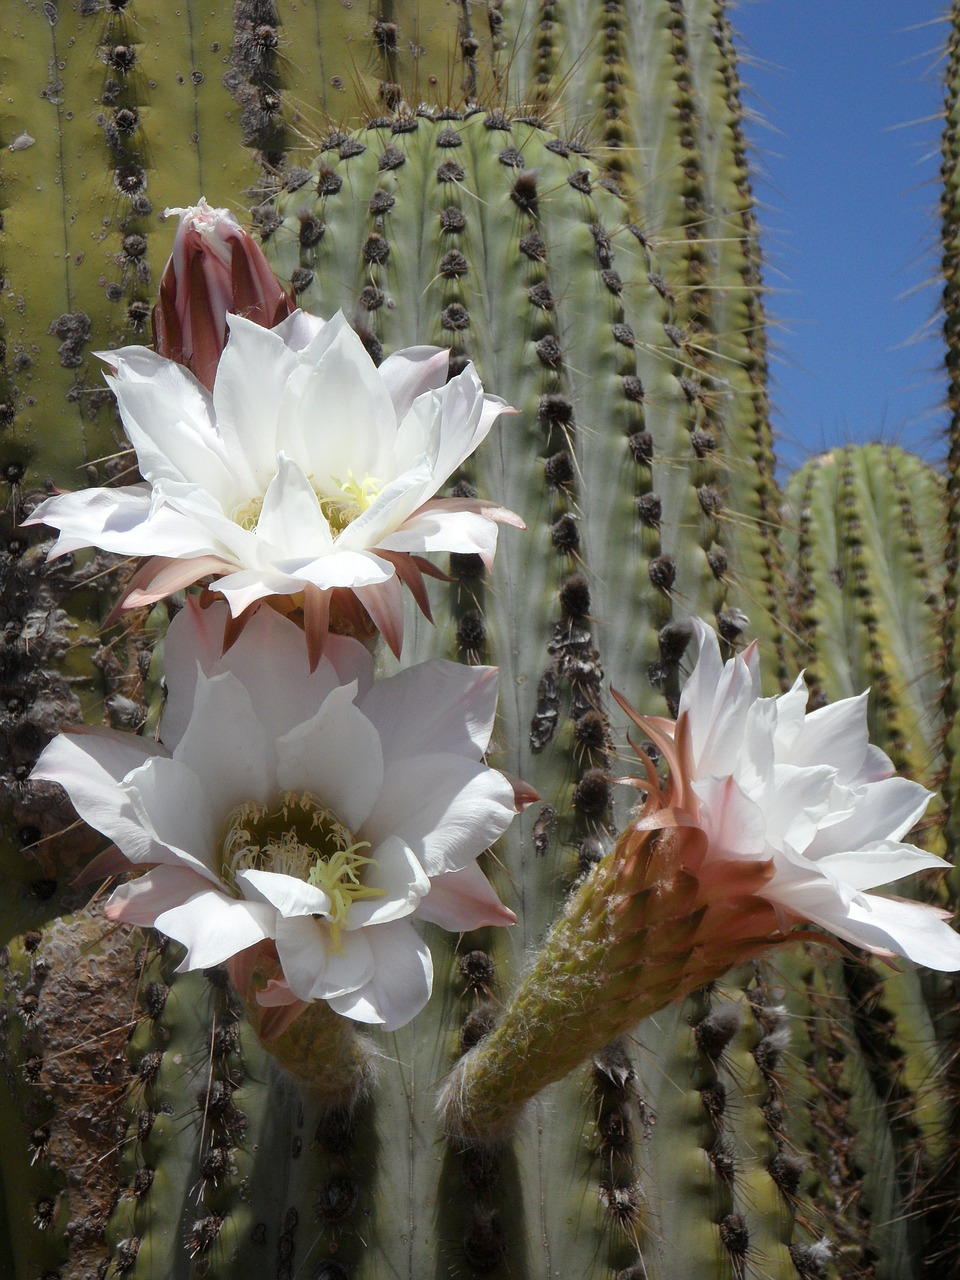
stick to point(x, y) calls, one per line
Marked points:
point(299, 837)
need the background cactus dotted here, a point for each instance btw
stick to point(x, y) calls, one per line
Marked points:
point(558, 192)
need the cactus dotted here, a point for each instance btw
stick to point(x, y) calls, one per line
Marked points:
point(559, 193)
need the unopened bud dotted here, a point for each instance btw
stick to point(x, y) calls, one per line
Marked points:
point(216, 267)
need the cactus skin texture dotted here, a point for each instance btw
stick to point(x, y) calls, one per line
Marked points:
point(572, 212)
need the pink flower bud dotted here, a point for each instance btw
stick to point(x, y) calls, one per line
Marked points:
point(216, 267)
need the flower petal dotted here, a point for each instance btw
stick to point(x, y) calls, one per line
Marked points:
point(291, 520)
point(409, 373)
point(401, 981)
point(91, 764)
point(446, 808)
point(463, 900)
point(290, 896)
point(336, 756)
point(313, 968)
point(434, 706)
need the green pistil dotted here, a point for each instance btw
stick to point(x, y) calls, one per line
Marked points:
point(299, 837)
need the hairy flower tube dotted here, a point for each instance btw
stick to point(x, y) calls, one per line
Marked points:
point(768, 818)
point(216, 267)
point(308, 474)
point(307, 815)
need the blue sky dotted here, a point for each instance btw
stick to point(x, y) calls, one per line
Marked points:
point(846, 162)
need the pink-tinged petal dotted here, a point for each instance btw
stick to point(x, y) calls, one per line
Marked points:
point(472, 506)
point(400, 881)
point(523, 794)
point(313, 968)
point(400, 984)
point(384, 603)
point(225, 744)
point(91, 764)
point(463, 900)
point(291, 521)
point(734, 823)
point(336, 756)
point(277, 995)
point(409, 373)
point(161, 576)
point(160, 889)
point(172, 804)
point(291, 897)
point(111, 862)
point(446, 808)
point(434, 706)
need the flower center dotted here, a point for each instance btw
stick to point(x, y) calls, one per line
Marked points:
point(297, 836)
point(341, 508)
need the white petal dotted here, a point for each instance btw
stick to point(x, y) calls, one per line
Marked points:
point(91, 765)
point(791, 707)
point(401, 982)
point(868, 868)
point(835, 735)
point(888, 925)
point(391, 507)
point(124, 521)
point(290, 896)
point(460, 531)
point(342, 423)
point(225, 745)
point(800, 799)
point(884, 810)
point(271, 644)
point(409, 373)
point(291, 520)
point(171, 803)
point(446, 808)
point(336, 756)
point(299, 329)
point(311, 966)
point(214, 927)
point(434, 706)
point(251, 378)
point(401, 881)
